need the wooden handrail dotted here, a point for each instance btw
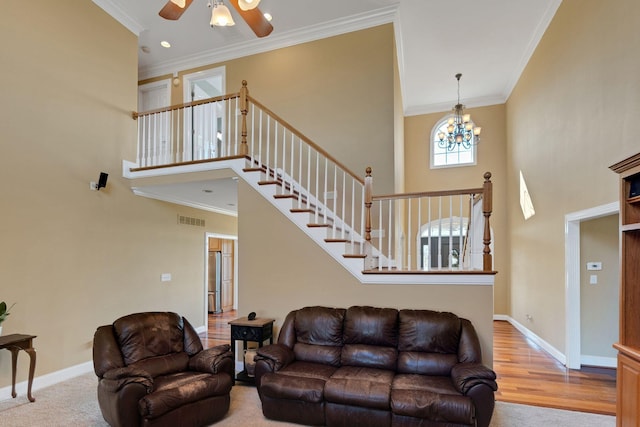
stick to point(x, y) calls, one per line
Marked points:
point(186, 105)
point(429, 194)
point(293, 130)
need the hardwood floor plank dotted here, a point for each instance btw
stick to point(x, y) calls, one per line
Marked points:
point(526, 373)
point(529, 375)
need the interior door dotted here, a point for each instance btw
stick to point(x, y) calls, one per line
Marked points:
point(152, 96)
point(227, 295)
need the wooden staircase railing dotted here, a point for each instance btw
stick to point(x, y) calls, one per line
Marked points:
point(318, 185)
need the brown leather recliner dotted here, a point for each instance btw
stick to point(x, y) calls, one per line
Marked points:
point(153, 371)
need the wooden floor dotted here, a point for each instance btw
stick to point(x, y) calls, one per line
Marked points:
point(526, 373)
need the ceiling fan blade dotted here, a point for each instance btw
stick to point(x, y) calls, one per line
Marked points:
point(172, 11)
point(255, 19)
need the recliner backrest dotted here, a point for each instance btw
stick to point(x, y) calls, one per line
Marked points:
point(318, 332)
point(428, 342)
point(370, 337)
point(145, 335)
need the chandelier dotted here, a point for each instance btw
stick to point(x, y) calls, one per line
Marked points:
point(220, 15)
point(460, 128)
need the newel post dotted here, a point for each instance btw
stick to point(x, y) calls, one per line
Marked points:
point(244, 109)
point(368, 191)
point(487, 195)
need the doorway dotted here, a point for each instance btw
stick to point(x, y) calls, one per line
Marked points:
point(573, 267)
point(221, 267)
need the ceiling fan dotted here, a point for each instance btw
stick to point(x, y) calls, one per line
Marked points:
point(247, 9)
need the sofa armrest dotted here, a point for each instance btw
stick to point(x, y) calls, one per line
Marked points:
point(212, 360)
point(115, 379)
point(467, 375)
point(277, 356)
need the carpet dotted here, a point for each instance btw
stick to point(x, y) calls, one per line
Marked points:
point(74, 403)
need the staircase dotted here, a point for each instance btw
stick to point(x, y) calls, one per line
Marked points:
point(329, 203)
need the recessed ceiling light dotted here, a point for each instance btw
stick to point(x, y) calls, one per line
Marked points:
point(165, 43)
point(268, 16)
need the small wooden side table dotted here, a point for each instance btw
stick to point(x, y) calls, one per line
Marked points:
point(14, 343)
point(256, 330)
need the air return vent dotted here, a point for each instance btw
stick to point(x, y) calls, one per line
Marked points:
point(187, 220)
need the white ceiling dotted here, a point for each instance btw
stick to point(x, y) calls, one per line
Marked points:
point(488, 41)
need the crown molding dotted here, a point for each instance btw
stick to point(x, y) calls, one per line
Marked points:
point(113, 9)
point(336, 27)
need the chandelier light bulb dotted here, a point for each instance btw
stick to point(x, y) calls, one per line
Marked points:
point(248, 4)
point(180, 3)
point(220, 16)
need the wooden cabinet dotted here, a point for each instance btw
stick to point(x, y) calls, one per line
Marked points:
point(628, 384)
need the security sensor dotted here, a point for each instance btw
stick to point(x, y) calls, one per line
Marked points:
point(102, 182)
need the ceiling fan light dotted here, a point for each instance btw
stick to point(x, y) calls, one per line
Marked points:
point(248, 4)
point(180, 3)
point(220, 16)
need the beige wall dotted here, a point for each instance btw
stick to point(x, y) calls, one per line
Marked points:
point(337, 91)
point(599, 305)
point(270, 284)
point(571, 115)
point(70, 258)
point(491, 157)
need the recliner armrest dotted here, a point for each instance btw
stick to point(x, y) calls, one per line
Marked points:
point(114, 379)
point(276, 355)
point(467, 375)
point(211, 360)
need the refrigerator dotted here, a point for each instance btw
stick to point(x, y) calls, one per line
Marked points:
point(215, 282)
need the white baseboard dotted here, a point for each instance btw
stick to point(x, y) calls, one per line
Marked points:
point(48, 379)
point(599, 361)
point(554, 352)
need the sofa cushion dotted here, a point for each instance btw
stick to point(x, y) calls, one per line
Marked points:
point(414, 362)
point(360, 386)
point(144, 335)
point(319, 335)
point(297, 381)
point(371, 325)
point(430, 397)
point(370, 356)
point(429, 331)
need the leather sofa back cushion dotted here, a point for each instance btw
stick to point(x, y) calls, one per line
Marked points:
point(319, 326)
point(410, 362)
point(429, 331)
point(371, 325)
point(144, 335)
point(325, 354)
point(164, 365)
point(369, 356)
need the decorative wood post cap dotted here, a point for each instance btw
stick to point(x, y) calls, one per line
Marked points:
point(487, 176)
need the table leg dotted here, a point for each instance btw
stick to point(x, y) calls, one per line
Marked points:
point(32, 368)
point(14, 362)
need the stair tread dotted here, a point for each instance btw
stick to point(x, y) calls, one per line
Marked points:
point(336, 240)
point(354, 256)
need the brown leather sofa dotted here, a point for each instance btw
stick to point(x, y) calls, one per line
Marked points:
point(367, 366)
point(153, 371)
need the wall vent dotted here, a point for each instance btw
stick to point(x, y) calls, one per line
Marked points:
point(187, 220)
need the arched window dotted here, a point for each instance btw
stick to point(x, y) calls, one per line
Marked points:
point(444, 154)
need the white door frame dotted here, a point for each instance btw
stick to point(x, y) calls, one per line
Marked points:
point(572, 276)
point(206, 273)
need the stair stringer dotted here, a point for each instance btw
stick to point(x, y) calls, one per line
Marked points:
point(352, 265)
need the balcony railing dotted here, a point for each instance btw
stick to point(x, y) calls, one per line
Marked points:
point(402, 232)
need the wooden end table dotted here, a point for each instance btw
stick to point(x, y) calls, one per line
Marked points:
point(14, 343)
point(256, 330)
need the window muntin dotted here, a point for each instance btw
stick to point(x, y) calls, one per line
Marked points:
point(442, 157)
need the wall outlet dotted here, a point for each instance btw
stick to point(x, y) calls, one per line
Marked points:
point(593, 279)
